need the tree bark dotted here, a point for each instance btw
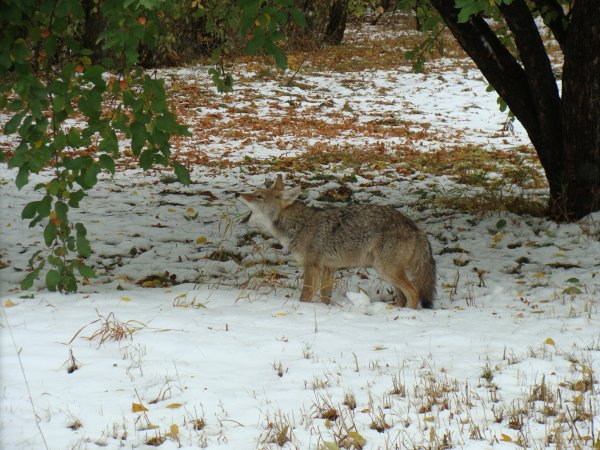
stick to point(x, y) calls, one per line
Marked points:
point(546, 101)
point(338, 14)
point(569, 158)
point(92, 27)
point(553, 10)
point(581, 109)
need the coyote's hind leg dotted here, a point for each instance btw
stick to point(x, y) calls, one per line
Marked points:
point(398, 279)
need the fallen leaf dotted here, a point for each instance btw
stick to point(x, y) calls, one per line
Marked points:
point(358, 439)
point(138, 407)
point(174, 405)
point(173, 431)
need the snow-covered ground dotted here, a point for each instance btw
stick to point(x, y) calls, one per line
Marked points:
point(229, 358)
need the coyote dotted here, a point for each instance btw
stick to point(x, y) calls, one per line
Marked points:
point(324, 240)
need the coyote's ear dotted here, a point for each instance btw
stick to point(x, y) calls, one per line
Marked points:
point(278, 183)
point(289, 196)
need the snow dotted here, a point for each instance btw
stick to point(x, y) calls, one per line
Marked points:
point(231, 357)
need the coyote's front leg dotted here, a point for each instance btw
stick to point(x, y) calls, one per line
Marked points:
point(311, 281)
point(326, 284)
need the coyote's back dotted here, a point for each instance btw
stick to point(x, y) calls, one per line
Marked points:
point(355, 236)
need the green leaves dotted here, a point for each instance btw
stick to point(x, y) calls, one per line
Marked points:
point(470, 8)
point(260, 22)
point(13, 124)
point(181, 173)
point(52, 279)
point(27, 283)
point(138, 137)
point(432, 24)
point(49, 80)
point(221, 79)
point(83, 245)
point(50, 233)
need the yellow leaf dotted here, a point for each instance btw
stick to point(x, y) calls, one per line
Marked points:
point(190, 210)
point(9, 303)
point(172, 210)
point(329, 446)
point(539, 275)
point(281, 314)
point(429, 419)
point(506, 438)
point(173, 431)
point(174, 405)
point(499, 236)
point(201, 240)
point(152, 283)
point(138, 407)
point(358, 439)
point(378, 348)
point(126, 299)
point(550, 341)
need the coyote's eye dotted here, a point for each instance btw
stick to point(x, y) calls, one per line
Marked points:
point(259, 196)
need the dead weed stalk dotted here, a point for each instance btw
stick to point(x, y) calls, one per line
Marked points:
point(111, 329)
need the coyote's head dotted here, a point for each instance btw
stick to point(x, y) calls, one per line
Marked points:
point(267, 204)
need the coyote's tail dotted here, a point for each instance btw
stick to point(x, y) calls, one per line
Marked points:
point(424, 272)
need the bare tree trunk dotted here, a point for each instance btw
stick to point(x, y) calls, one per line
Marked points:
point(581, 109)
point(92, 27)
point(338, 14)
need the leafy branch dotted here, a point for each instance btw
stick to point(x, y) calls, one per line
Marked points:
point(72, 105)
point(67, 111)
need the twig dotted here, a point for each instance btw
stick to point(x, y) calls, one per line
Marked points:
point(35, 415)
point(291, 79)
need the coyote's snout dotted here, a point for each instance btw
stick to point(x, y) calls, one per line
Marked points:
point(324, 240)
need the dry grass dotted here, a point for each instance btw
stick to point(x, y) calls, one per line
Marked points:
point(111, 329)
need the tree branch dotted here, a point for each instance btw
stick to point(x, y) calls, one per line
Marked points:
point(497, 65)
point(542, 84)
point(557, 23)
